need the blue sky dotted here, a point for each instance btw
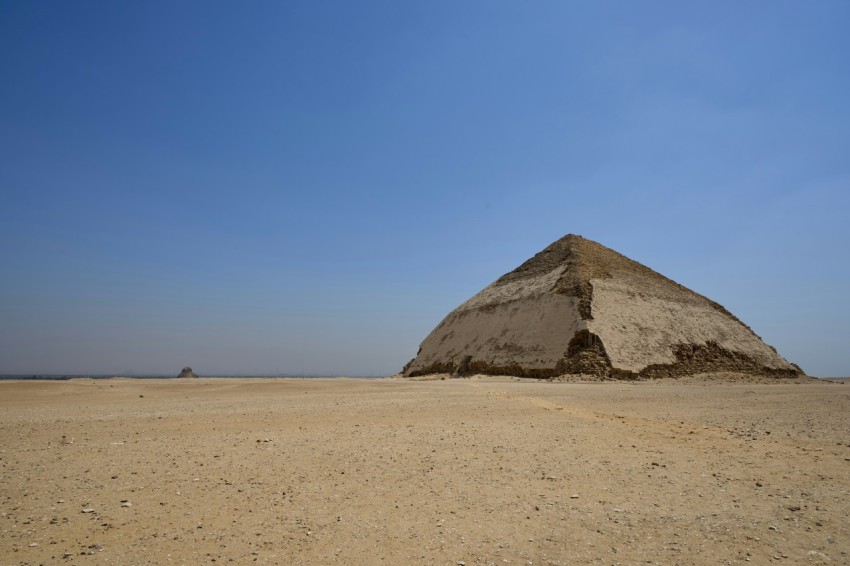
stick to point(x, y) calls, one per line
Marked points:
point(309, 187)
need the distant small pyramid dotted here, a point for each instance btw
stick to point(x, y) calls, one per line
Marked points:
point(578, 307)
point(187, 372)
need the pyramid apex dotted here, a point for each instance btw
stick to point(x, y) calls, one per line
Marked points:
point(570, 238)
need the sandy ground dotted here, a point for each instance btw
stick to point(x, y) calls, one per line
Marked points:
point(318, 471)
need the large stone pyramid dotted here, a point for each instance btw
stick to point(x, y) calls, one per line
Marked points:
point(578, 307)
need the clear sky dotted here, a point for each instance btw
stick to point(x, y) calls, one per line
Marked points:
point(309, 187)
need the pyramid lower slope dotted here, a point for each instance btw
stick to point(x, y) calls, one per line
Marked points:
point(579, 307)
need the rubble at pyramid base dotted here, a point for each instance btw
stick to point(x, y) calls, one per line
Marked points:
point(593, 362)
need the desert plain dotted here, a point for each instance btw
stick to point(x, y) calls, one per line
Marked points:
point(704, 470)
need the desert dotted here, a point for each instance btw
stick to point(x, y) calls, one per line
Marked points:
point(710, 469)
point(424, 283)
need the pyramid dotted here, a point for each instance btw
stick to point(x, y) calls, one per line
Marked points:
point(578, 307)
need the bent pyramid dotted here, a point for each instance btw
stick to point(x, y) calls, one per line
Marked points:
point(578, 307)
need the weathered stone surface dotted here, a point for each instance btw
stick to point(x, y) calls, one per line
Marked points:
point(579, 307)
point(187, 372)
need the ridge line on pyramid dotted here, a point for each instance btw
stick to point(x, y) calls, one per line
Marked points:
point(578, 307)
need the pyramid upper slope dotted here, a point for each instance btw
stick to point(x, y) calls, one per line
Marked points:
point(583, 260)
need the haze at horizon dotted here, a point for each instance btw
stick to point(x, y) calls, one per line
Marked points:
point(308, 188)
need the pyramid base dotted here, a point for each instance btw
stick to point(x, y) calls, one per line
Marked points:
point(586, 356)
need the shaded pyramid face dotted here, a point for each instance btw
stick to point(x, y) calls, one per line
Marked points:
point(578, 307)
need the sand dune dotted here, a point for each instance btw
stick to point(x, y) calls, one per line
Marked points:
point(473, 471)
